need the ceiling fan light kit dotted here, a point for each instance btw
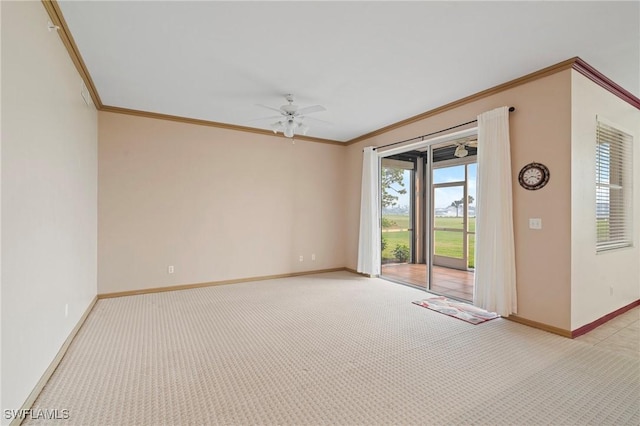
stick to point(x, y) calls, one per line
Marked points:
point(292, 121)
point(461, 151)
point(462, 145)
point(288, 128)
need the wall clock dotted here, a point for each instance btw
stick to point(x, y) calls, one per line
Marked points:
point(533, 176)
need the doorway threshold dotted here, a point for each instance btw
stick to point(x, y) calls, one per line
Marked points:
point(448, 282)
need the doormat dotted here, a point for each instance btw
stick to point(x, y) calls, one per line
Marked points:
point(460, 310)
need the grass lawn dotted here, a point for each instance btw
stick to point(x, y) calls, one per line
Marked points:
point(394, 239)
point(455, 223)
point(398, 221)
point(450, 244)
point(402, 222)
point(602, 229)
point(447, 243)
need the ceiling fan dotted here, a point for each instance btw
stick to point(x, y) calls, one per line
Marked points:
point(291, 118)
point(461, 148)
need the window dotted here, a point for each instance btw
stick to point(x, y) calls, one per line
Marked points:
point(613, 187)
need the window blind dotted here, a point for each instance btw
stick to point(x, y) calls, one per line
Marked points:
point(613, 187)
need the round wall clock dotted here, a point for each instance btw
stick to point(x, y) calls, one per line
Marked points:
point(533, 176)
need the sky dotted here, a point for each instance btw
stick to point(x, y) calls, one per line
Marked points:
point(445, 196)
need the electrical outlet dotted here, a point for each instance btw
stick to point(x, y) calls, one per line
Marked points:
point(610, 290)
point(301, 258)
point(170, 269)
point(313, 256)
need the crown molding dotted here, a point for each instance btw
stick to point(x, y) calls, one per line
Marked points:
point(57, 18)
point(564, 65)
point(574, 63)
point(53, 9)
point(603, 81)
point(577, 64)
point(199, 122)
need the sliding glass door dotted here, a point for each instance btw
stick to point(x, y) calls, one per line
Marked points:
point(452, 223)
point(428, 217)
point(397, 215)
point(453, 227)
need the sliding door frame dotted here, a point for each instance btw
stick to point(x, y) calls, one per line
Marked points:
point(428, 178)
point(465, 161)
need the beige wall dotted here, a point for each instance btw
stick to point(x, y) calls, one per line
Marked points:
point(540, 131)
point(216, 204)
point(593, 274)
point(49, 199)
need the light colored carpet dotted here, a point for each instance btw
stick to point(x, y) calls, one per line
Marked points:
point(328, 349)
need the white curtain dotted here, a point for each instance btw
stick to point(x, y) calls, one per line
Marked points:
point(369, 243)
point(495, 264)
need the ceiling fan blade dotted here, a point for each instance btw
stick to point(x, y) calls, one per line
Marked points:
point(310, 109)
point(317, 120)
point(271, 108)
point(276, 126)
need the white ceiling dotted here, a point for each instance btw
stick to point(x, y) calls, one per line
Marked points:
point(370, 64)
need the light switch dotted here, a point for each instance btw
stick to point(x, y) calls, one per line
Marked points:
point(535, 223)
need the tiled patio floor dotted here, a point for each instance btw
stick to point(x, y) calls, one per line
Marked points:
point(446, 281)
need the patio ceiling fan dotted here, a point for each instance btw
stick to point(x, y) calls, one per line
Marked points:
point(461, 148)
point(291, 118)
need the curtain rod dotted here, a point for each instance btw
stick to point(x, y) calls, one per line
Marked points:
point(511, 109)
